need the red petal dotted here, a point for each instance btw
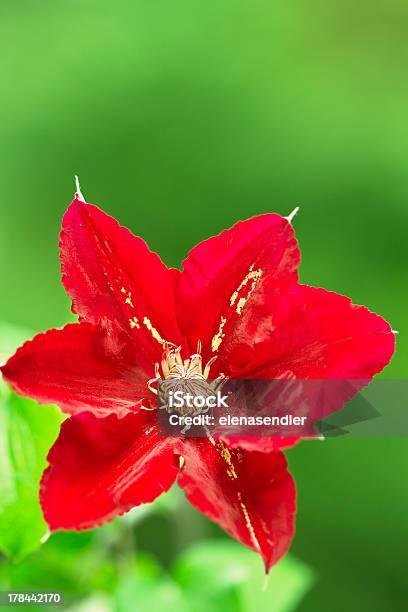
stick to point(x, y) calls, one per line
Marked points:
point(80, 367)
point(310, 333)
point(221, 273)
point(102, 467)
point(249, 494)
point(264, 444)
point(109, 272)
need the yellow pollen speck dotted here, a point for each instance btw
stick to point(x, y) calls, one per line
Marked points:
point(217, 339)
point(239, 456)
point(123, 290)
point(129, 301)
point(254, 276)
point(153, 330)
point(233, 298)
point(226, 455)
point(248, 523)
point(241, 304)
point(134, 323)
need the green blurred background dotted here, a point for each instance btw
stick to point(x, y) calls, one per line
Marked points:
point(181, 118)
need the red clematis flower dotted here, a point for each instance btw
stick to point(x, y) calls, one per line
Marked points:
point(239, 299)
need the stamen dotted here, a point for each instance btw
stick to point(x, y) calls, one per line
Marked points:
point(172, 367)
point(208, 366)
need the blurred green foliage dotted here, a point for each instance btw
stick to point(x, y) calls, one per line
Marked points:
point(220, 576)
point(181, 118)
point(100, 568)
point(26, 433)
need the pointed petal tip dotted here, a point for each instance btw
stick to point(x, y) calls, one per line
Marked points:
point(293, 214)
point(265, 584)
point(78, 193)
point(45, 537)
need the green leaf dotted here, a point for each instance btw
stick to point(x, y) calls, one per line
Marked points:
point(27, 431)
point(77, 563)
point(225, 575)
point(147, 588)
point(282, 590)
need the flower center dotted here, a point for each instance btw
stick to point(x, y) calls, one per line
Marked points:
point(188, 377)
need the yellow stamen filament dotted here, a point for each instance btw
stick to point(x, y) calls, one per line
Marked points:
point(173, 367)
